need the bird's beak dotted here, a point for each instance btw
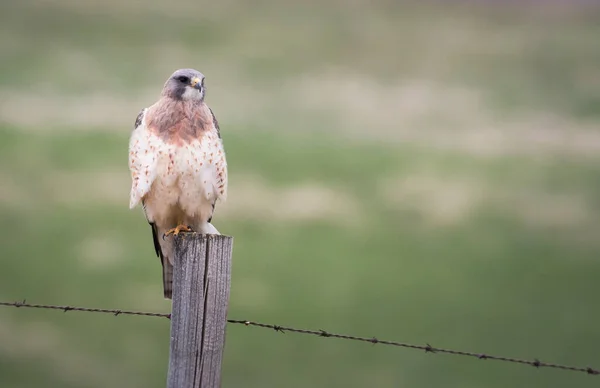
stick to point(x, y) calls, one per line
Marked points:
point(196, 83)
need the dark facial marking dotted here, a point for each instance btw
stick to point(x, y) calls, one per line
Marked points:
point(179, 90)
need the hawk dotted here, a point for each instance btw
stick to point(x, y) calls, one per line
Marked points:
point(177, 163)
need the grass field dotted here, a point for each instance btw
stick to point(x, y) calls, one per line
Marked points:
point(421, 173)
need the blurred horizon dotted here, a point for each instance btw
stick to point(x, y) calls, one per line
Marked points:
point(424, 172)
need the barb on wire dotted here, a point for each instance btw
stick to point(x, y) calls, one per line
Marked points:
point(322, 333)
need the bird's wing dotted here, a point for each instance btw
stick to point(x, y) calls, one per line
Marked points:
point(221, 163)
point(142, 160)
point(143, 165)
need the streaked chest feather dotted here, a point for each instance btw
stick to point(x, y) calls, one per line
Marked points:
point(198, 164)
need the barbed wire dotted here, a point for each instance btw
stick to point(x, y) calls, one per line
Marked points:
point(323, 334)
point(84, 309)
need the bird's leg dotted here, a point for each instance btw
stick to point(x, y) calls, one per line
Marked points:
point(178, 229)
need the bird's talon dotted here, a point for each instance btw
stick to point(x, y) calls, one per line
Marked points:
point(175, 231)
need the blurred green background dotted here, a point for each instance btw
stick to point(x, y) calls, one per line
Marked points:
point(420, 172)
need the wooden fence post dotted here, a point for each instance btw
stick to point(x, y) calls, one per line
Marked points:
point(201, 283)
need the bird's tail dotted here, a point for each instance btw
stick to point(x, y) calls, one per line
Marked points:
point(164, 249)
point(167, 277)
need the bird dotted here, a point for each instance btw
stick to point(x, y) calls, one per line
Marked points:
point(178, 165)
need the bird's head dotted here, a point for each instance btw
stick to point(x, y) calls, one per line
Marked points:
point(185, 84)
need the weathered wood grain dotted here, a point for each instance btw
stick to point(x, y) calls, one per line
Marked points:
point(201, 284)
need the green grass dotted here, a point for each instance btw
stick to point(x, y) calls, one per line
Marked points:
point(512, 271)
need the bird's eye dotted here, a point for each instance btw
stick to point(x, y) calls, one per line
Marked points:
point(183, 79)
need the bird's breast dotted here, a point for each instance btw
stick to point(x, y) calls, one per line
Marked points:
point(188, 174)
point(179, 122)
